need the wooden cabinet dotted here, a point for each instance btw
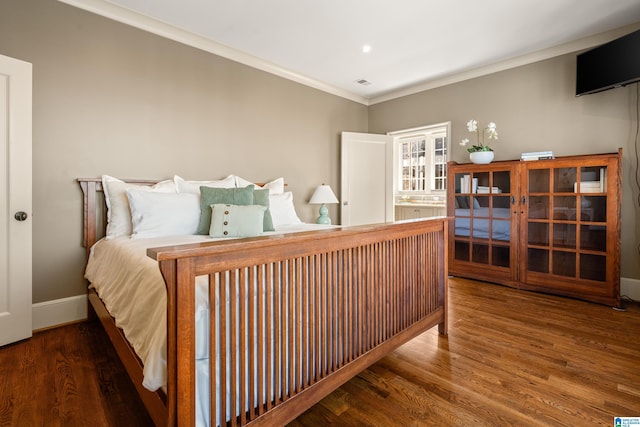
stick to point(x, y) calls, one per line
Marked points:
point(549, 225)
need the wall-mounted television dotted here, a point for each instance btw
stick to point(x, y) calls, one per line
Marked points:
point(613, 64)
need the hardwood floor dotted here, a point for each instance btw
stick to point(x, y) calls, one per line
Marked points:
point(511, 358)
point(68, 376)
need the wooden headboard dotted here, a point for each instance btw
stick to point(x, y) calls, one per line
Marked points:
point(95, 209)
point(95, 218)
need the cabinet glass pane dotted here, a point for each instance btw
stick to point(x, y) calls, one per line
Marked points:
point(564, 263)
point(593, 237)
point(564, 235)
point(462, 250)
point(539, 181)
point(480, 254)
point(564, 208)
point(539, 207)
point(592, 179)
point(500, 256)
point(593, 267)
point(563, 180)
point(481, 206)
point(483, 179)
point(464, 183)
point(480, 228)
point(538, 260)
point(462, 202)
point(500, 230)
point(539, 233)
point(459, 182)
point(501, 207)
point(462, 226)
point(501, 182)
point(593, 208)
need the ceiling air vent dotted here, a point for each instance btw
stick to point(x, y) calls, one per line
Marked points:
point(363, 82)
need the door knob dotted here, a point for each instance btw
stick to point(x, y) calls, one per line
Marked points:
point(20, 216)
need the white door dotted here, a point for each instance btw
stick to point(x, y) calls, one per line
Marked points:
point(367, 178)
point(15, 200)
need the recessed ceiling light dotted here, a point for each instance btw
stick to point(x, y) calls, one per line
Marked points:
point(366, 48)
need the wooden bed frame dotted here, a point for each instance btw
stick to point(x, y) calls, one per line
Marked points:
point(330, 304)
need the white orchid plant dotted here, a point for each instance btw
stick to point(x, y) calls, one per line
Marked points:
point(490, 131)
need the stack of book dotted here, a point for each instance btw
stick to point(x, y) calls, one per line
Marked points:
point(464, 184)
point(592, 186)
point(588, 187)
point(537, 155)
point(485, 190)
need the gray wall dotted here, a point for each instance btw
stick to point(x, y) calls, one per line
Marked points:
point(535, 108)
point(111, 99)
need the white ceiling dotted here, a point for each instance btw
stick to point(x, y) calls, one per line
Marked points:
point(414, 42)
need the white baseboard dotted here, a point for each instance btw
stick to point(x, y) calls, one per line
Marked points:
point(630, 288)
point(72, 309)
point(58, 312)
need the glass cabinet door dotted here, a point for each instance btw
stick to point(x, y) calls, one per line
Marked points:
point(483, 217)
point(566, 221)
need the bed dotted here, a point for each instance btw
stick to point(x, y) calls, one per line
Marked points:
point(289, 317)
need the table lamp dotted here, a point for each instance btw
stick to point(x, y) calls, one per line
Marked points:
point(322, 196)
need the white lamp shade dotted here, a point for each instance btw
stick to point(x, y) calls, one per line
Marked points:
point(323, 194)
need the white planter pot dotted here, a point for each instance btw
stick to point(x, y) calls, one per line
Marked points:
point(481, 157)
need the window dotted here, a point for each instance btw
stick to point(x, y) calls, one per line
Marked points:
point(421, 155)
point(440, 163)
point(413, 163)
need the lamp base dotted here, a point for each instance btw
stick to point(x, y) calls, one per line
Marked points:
point(324, 216)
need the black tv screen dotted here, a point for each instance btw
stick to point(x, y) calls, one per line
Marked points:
point(613, 64)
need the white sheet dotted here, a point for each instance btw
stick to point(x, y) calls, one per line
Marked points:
point(131, 287)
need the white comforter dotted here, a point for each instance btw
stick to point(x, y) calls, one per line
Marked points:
point(131, 287)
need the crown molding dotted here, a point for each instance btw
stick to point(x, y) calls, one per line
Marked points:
point(145, 23)
point(563, 49)
point(151, 25)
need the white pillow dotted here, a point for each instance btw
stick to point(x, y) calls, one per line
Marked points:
point(282, 210)
point(236, 220)
point(275, 187)
point(118, 213)
point(184, 186)
point(156, 214)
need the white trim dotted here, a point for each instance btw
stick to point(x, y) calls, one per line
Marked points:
point(134, 19)
point(630, 287)
point(66, 310)
point(58, 312)
point(422, 129)
point(552, 52)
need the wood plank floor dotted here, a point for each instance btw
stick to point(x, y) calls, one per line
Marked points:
point(67, 376)
point(512, 358)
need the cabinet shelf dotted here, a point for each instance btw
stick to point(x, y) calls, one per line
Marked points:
point(541, 232)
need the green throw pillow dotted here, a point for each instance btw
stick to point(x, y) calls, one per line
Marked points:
point(236, 221)
point(226, 196)
point(261, 197)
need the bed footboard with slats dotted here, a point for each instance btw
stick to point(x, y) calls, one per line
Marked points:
point(293, 317)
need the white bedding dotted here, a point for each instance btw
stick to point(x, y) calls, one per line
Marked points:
point(131, 287)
